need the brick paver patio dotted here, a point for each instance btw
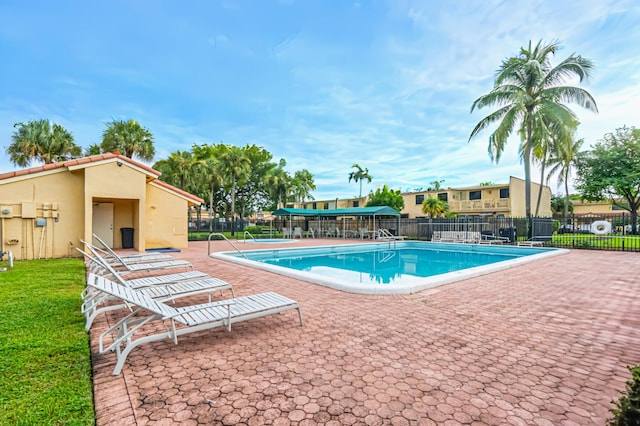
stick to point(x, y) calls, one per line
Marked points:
point(541, 344)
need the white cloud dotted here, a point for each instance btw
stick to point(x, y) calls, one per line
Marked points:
point(390, 90)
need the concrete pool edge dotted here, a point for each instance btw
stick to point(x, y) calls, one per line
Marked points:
point(425, 283)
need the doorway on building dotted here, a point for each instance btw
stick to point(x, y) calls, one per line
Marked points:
point(102, 223)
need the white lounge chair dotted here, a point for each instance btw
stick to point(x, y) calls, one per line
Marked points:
point(531, 243)
point(286, 233)
point(143, 265)
point(177, 321)
point(162, 287)
point(107, 253)
point(384, 234)
point(297, 232)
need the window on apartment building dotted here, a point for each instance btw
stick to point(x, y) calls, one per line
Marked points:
point(504, 192)
point(419, 199)
point(356, 204)
point(326, 206)
point(475, 195)
point(443, 196)
point(315, 206)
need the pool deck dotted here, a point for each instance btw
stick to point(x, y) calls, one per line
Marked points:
point(545, 343)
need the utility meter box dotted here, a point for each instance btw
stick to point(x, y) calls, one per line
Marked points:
point(28, 210)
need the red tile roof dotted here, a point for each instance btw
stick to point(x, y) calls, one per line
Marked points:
point(95, 159)
point(77, 162)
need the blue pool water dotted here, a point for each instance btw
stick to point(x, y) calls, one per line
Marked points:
point(401, 267)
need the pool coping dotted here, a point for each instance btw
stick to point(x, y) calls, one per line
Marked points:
point(399, 288)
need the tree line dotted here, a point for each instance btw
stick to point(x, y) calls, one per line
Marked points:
point(232, 180)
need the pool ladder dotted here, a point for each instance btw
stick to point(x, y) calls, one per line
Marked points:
point(386, 256)
point(218, 234)
point(244, 236)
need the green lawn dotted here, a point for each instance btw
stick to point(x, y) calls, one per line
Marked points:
point(45, 368)
point(611, 242)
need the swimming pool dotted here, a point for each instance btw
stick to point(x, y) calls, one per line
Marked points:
point(388, 268)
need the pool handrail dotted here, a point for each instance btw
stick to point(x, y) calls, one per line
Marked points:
point(219, 234)
point(244, 236)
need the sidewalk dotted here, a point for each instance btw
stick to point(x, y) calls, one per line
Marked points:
point(545, 343)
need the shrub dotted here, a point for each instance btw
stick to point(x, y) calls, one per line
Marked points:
point(627, 411)
point(254, 229)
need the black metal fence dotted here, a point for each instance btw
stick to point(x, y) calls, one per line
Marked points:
point(595, 232)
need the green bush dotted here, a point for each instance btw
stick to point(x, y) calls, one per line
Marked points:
point(253, 230)
point(627, 411)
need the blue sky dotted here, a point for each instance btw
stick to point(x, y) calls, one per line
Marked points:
point(321, 83)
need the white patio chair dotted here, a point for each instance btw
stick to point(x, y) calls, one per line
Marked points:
point(128, 333)
point(162, 287)
point(384, 234)
point(107, 253)
point(140, 264)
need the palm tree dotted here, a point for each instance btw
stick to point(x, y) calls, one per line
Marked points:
point(213, 177)
point(359, 175)
point(563, 160)
point(302, 184)
point(182, 170)
point(128, 138)
point(548, 143)
point(41, 140)
point(236, 167)
point(529, 92)
point(278, 182)
point(93, 149)
point(560, 204)
point(435, 207)
point(436, 185)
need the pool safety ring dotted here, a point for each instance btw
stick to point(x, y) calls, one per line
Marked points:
point(601, 227)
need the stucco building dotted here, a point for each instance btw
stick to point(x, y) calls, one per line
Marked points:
point(46, 211)
point(499, 200)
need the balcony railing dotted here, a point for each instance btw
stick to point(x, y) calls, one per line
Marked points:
point(479, 205)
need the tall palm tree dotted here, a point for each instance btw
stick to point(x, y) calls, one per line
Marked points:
point(549, 139)
point(562, 161)
point(434, 207)
point(359, 175)
point(129, 138)
point(236, 167)
point(528, 92)
point(41, 140)
point(302, 184)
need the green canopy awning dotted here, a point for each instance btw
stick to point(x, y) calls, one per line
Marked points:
point(353, 211)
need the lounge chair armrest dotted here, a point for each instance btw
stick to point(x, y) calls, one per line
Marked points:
point(201, 307)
